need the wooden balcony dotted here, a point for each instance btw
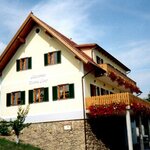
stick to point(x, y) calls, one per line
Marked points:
point(127, 99)
point(108, 68)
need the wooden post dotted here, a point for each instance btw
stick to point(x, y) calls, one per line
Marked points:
point(129, 132)
point(149, 131)
point(141, 134)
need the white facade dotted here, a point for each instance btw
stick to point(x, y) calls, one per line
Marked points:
point(70, 70)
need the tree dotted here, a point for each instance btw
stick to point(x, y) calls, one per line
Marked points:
point(148, 97)
point(18, 124)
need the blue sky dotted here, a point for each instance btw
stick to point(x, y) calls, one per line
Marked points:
point(122, 27)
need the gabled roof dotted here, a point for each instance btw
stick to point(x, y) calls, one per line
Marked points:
point(22, 33)
point(95, 46)
point(27, 26)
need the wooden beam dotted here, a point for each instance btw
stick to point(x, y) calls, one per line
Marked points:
point(48, 33)
point(22, 40)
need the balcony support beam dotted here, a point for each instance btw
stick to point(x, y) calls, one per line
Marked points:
point(141, 134)
point(149, 131)
point(129, 132)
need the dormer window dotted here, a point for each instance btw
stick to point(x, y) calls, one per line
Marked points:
point(23, 64)
point(99, 60)
point(52, 58)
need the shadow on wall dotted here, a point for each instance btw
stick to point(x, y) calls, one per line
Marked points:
point(111, 131)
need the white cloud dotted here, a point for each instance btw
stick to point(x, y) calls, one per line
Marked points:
point(70, 18)
point(143, 77)
point(135, 54)
point(12, 15)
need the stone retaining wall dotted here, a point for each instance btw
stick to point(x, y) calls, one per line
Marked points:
point(63, 135)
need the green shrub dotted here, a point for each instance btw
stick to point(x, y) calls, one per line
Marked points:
point(5, 128)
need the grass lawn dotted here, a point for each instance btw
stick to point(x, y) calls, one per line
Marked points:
point(8, 145)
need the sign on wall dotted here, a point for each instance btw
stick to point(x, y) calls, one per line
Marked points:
point(38, 79)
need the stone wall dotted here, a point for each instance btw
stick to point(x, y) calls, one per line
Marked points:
point(62, 135)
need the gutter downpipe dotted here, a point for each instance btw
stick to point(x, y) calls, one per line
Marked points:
point(92, 53)
point(84, 109)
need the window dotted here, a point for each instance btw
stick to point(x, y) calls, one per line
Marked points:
point(23, 64)
point(104, 92)
point(52, 58)
point(15, 98)
point(38, 95)
point(99, 60)
point(64, 91)
point(95, 91)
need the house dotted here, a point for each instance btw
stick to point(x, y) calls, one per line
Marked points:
point(74, 91)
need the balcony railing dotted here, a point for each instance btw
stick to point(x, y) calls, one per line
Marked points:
point(125, 98)
point(108, 68)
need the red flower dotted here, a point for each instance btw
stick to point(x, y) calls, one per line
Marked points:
point(120, 81)
point(112, 76)
point(107, 110)
point(127, 85)
point(118, 109)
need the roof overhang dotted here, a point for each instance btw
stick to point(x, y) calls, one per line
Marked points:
point(104, 52)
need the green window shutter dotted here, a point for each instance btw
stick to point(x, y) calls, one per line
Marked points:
point(71, 90)
point(8, 103)
point(98, 91)
point(45, 59)
point(92, 90)
point(54, 93)
point(46, 95)
point(30, 96)
point(59, 57)
point(23, 97)
point(18, 65)
point(30, 63)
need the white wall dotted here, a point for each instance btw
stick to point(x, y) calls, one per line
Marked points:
point(102, 56)
point(69, 71)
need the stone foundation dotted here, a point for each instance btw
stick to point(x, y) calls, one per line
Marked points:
point(62, 135)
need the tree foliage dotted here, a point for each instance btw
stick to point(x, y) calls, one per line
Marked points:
point(5, 128)
point(16, 125)
point(148, 97)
